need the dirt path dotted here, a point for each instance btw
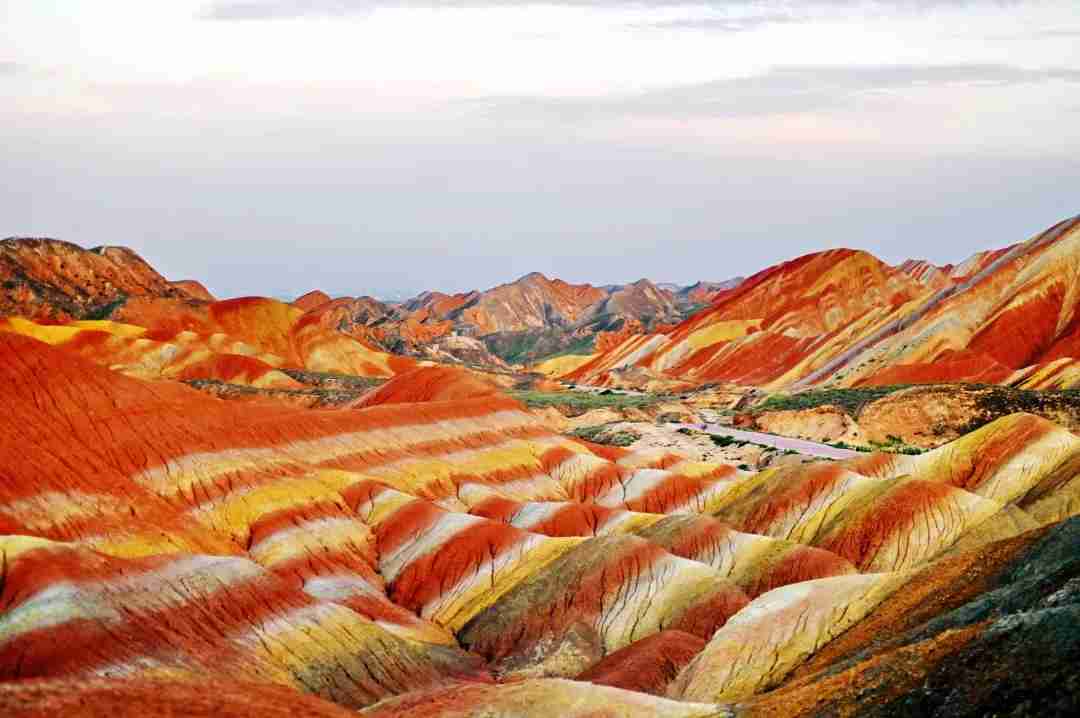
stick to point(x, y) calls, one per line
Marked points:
point(808, 448)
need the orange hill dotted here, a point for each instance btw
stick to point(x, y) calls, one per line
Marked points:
point(443, 553)
point(110, 306)
point(845, 318)
point(54, 280)
point(528, 318)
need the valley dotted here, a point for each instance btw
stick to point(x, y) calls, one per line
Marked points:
point(860, 494)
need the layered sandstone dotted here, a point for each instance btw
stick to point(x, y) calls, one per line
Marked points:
point(845, 318)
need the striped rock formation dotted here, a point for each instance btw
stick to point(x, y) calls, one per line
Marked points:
point(440, 552)
point(108, 305)
point(844, 318)
point(243, 342)
point(522, 320)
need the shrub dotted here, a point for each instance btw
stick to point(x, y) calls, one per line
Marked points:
point(851, 400)
point(599, 434)
point(724, 441)
point(580, 401)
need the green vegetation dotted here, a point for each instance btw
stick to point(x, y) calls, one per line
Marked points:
point(991, 401)
point(893, 446)
point(580, 401)
point(581, 347)
point(309, 396)
point(322, 389)
point(328, 380)
point(530, 347)
point(725, 441)
point(849, 447)
point(851, 400)
point(1061, 406)
point(603, 434)
point(513, 347)
point(104, 311)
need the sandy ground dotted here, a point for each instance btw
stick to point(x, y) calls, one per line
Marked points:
point(783, 443)
point(700, 447)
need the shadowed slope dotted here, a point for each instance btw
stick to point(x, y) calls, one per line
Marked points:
point(648, 665)
point(991, 629)
point(109, 698)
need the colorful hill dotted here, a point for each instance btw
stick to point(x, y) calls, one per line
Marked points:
point(53, 280)
point(440, 552)
point(845, 318)
point(110, 306)
point(519, 321)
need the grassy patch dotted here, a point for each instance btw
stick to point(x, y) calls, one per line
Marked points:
point(582, 347)
point(994, 402)
point(531, 347)
point(312, 396)
point(851, 400)
point(580, 401)
point(328, 380)
point(849, 447)
point(602, 434)
point(724, 441)
point(893, 446)
point(105, 311)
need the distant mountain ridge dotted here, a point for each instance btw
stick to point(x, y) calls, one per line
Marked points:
point(845, 318)
point(840, 317)
point(520, 321)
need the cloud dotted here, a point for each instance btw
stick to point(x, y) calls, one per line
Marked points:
point(284, 9)
point(1062, 32)
point(783, 90)
point(291, 9)
point(721, 24)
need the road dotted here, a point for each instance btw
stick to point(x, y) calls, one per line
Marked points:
point(809, 448)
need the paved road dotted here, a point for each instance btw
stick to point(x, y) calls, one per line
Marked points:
point(809, 448)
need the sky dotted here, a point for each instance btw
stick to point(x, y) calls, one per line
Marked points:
point(387, 147)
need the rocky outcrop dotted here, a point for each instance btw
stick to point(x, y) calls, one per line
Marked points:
point(824, 424)
point(194, 289)
point(55, 280)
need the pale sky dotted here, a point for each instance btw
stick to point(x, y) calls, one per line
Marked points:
point(382, 146)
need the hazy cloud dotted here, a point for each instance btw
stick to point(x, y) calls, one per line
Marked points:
point(284, 9)
point(415, 152)
point(722, 24)
point(786, 90)
point(1062, 32)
